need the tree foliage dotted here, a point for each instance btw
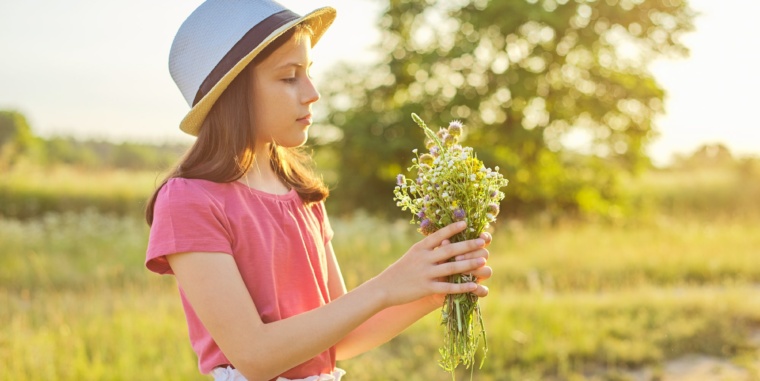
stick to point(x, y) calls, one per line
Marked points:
point(17, 140)
point(16, 136)
point(555, 92)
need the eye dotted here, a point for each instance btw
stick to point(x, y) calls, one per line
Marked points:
point(290, 79)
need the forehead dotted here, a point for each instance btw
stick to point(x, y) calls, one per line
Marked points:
point(296, 50)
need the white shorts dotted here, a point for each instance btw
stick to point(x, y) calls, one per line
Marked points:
point(230, 374)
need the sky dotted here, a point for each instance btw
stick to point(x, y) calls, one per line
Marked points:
point(98, 69)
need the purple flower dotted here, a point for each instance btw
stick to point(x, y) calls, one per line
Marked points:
point(493, 209)
point(400, 180)
point(459, 214)
point(426, 227)
point(435, 151)
point(421, 213)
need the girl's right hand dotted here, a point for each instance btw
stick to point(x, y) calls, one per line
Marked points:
point(420, 271)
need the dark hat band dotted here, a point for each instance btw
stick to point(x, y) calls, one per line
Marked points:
point(248, 43)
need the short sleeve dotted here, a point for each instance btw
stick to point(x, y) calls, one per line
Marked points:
point(186, 218)
point(327, 232)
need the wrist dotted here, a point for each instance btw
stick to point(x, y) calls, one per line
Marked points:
point(377, 293)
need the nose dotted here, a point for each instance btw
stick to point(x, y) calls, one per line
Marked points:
point(310, 94)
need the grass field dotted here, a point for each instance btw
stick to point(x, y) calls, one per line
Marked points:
point(568, 302)
point(574, 302)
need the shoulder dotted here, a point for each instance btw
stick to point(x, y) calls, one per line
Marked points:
point(191, 204)
point(188, 196)
point(181, 190)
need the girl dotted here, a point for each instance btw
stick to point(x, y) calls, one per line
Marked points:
point(241, 223)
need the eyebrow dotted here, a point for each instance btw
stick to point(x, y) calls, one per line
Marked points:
point(293, 64)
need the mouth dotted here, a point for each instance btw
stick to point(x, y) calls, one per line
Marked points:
point(305, 119)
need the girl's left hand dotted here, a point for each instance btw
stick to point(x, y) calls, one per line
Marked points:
point(481, 274)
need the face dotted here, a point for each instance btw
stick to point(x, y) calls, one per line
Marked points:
point(283, 94)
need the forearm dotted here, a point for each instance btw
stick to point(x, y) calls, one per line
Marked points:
point(286, 343)
point(383, 326)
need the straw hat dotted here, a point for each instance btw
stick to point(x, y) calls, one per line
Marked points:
point(220, 38)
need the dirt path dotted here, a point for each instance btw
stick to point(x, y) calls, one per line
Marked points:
point(705, 368)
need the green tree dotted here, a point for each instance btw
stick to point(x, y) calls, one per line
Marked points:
point(555, 92)
point(67, 150)
point(16, 137)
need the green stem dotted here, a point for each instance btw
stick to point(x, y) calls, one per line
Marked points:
point(459, 315)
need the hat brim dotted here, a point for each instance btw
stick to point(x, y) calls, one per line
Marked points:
point(319, 20)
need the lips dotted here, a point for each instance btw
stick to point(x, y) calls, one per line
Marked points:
point(305, 119)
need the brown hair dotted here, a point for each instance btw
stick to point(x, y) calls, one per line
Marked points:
point(223, 151)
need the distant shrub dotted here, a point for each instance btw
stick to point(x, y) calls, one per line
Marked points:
point(29, 191)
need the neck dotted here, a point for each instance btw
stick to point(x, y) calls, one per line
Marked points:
point(262, 177)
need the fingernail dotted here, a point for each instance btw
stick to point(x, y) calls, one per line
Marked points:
point(480, 242)
point(461, 224)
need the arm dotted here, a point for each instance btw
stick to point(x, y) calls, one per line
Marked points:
point(388, 323)
point(214, 288)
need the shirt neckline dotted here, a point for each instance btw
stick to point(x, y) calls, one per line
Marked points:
point(282, 197)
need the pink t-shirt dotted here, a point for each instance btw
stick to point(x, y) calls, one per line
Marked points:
point(277, 241)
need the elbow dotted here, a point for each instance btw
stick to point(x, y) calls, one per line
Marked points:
point(254, 365)
point(343, 354)
point(253, 370)
point(353, 345)
point(345, 349)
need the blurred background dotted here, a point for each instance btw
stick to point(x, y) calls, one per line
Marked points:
point(627, 244)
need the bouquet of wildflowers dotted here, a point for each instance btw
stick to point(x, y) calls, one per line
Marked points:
point(453, 185)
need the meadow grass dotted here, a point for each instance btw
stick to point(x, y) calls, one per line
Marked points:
point(577, 301)
point(717, 192)
point(583, 302)
point(99, 333)
point(28, 191)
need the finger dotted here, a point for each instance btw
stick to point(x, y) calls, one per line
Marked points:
point(486, 237)
point(458, 248)
point(459, 267)
point(482, 273)
point(434, 240)
point(443, 243)
point(473, 254)
point(481, 291)
point(454, 288)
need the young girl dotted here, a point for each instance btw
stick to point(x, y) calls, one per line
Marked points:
point(241, 223)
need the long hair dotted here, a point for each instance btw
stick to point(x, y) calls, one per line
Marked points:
point(223, 151)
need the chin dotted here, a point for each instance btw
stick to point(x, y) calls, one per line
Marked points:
point(295, 141)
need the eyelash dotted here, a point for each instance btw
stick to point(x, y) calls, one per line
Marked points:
point(295, 78)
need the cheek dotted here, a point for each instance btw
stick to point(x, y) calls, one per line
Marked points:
point(277, 98)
